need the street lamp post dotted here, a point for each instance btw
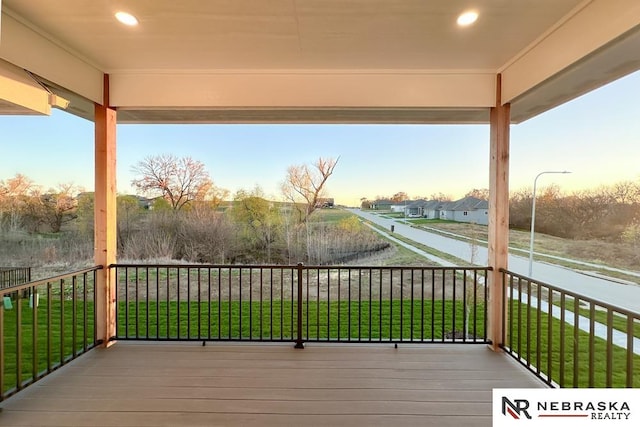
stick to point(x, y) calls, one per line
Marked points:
point(533, 216)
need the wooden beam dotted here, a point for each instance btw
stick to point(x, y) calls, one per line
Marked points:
point(498, 215)
point(105, 215)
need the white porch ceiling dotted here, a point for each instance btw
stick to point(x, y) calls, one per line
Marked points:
point(322, 60)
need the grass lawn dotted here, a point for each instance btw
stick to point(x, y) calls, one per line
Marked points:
point(566, 358)
point(576, 364)
point(375, 320)
point(59, 335)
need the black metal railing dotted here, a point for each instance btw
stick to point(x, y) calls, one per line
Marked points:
point(14, 276)
point(301, 303)
point(43, 325)
point(569, 340)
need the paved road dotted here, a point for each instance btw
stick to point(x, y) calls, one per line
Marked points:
point(626, 296)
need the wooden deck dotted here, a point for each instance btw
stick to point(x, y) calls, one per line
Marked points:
point(185, 384)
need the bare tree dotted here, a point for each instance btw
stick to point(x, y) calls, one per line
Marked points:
point(479, 193)
point(399, 197)
point(59, 206)
point(304, 185)
point(441, 197)
point(178, 180)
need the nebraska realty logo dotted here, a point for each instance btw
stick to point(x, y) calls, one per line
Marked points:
point(566, 407)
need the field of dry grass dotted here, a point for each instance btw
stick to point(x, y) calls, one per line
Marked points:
point(618, 255)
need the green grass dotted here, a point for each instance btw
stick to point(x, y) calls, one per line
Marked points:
point(375, 320)
point(330, 215)
point(41, 349)
point(535, 347)
point(358, 321)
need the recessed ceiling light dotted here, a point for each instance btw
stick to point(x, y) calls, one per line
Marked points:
point(126, 18)
point(467, 18)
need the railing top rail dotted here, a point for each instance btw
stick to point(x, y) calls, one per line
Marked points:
point(575, 295)
point(48, 280)
point(305, 267)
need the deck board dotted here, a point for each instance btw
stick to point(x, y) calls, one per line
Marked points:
point(144, 384)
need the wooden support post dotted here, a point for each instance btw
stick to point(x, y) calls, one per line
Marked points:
point(498, 216)
point(105, 216)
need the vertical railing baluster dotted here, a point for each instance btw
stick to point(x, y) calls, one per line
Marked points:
point(271, 303)
point(391, 305)
point(168, 291)
point(359, 304)
point(630, 352)
point(485, 306)
point(328, 304)
point(19, 340)
point(229, 273)
point(528, 323)
point(433, 305)
point(146, 272)
point(261, 290)
point(380, 306)
point(137, 302)
point(74, 315)
point(592, 335)
point(444, 303)
point(465, 321)
point(299, 343)
point(519, 327)
point(422, 305)
point(188, 335)
point(49, 327)
point(219, 303)
point(250, 302)
point(282, 304)
point(126, 302)
point(370, 305)
point(411, 309)
point(539, 330)
point(550, 338)
point(34, 334)
point(240, 303)
point(209, 302)
point(199, 299)
point(317, 304)
point(339, 300)
point(562, 338)
point(157, 274)
point(576, 341)
point(85, 313)
point(307, 296)
point(454, 274)
point(349, 309)
point(62, 328)
point(609, 371)
point(401, 303)
point(475, 307)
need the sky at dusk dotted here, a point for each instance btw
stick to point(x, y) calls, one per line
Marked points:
point(596, 137)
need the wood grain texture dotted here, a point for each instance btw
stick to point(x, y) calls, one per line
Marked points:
point(147, 384)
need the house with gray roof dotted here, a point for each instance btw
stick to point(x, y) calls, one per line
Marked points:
point(467, 209)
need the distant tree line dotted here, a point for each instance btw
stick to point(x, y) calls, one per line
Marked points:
point(610, 213)
point(186, 217)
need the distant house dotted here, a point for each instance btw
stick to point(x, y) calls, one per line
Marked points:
point(415, 209)
point(467, 209)
point(381, 205)
point(432, 209)
point(325, 202)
